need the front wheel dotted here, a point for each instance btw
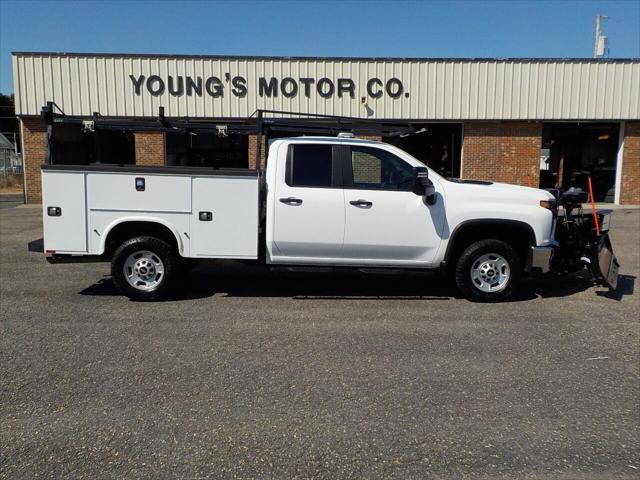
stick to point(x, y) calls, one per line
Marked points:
point(488, 271)
point(143, 268)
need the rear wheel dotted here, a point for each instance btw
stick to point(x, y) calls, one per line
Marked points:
point(143, 268)
point(488, 271)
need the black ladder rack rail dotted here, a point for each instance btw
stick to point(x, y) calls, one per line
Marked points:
point(260, 123)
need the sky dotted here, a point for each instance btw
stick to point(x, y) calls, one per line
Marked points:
point(471, 28)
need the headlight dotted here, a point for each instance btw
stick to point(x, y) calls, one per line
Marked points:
point(549, 204)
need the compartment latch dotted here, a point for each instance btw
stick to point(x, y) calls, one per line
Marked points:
point(54, 211)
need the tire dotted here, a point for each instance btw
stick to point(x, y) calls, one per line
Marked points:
point(488, 271)
point(144, 268)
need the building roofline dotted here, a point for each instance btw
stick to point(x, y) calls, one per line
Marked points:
point(339, 59)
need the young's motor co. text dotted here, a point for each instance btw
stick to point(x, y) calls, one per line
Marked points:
point(288, 87)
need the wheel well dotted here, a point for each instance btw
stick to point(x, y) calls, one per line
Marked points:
point(126, 230)
point(517, 234)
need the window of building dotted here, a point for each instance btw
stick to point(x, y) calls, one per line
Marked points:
point(207, 150)
point(572, 152)
point(115, 147)
point(310, 166)
point(71, 145)
point(376, 169)
point(437, 145)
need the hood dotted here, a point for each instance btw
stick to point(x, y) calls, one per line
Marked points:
point(496, 191)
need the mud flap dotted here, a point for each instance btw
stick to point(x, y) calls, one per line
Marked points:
point(604, 263)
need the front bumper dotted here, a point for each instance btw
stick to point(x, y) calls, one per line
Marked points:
point(540, 258)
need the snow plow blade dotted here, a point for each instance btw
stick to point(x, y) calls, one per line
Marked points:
point(604, 263)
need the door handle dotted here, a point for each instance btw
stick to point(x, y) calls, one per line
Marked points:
point(291, 201)
point(361, 203)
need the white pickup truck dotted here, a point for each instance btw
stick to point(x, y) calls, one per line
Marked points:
point(323, 201)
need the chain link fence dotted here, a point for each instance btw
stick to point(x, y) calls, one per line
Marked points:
point(11, 169)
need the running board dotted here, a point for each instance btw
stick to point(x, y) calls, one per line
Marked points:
point(382, 271)
point(366, 270)
point(310, 269)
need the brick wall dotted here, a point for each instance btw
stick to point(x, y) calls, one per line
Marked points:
point(366, 168)
point(150, 148)
point(630, 191)
point(502, 151)
point(253, 143)
point(34, 144)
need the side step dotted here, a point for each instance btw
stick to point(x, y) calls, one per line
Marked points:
point(307, 269)
point(368, 271)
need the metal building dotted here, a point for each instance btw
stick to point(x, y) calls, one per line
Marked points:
point(541, 122)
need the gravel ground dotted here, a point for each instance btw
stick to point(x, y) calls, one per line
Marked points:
point(256, 374)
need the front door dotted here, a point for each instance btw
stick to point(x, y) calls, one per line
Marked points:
point(385, 222)
point(308, 223)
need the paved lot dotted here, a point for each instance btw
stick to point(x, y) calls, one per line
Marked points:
point(10, 200)
point(267, 375)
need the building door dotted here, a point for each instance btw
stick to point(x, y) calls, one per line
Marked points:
point(437, 145)
point(577, 151)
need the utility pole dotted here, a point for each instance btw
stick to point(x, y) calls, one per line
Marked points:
point(600, 48)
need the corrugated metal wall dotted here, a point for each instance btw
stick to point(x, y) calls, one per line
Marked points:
point(437, 89)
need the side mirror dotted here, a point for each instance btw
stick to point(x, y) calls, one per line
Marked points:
point(422, 186)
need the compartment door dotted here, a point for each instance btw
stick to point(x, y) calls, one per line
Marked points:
point(66, 230)
point(224, 217)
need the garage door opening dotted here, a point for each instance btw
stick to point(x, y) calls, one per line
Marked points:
point(190, 149)
point(571, 152)
point(436, 145)
point(72, 144)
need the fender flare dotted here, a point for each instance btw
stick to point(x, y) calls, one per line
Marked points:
point(147, 219)
point(485, 221)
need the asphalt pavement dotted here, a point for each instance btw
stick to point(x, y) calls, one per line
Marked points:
point(10, 199)
point(257, 374)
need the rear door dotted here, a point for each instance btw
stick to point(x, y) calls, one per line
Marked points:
point(385, 222)
point(309, 211)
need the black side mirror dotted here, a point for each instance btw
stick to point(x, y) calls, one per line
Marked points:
point(420, 180)
point(422, 186)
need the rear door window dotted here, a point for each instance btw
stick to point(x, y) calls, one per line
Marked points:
point(310, 165)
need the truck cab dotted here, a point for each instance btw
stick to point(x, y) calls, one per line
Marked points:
point(350, 203)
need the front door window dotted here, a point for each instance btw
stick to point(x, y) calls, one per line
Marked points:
point(375, 169)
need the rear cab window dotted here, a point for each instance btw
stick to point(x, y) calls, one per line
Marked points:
point(312, 165)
